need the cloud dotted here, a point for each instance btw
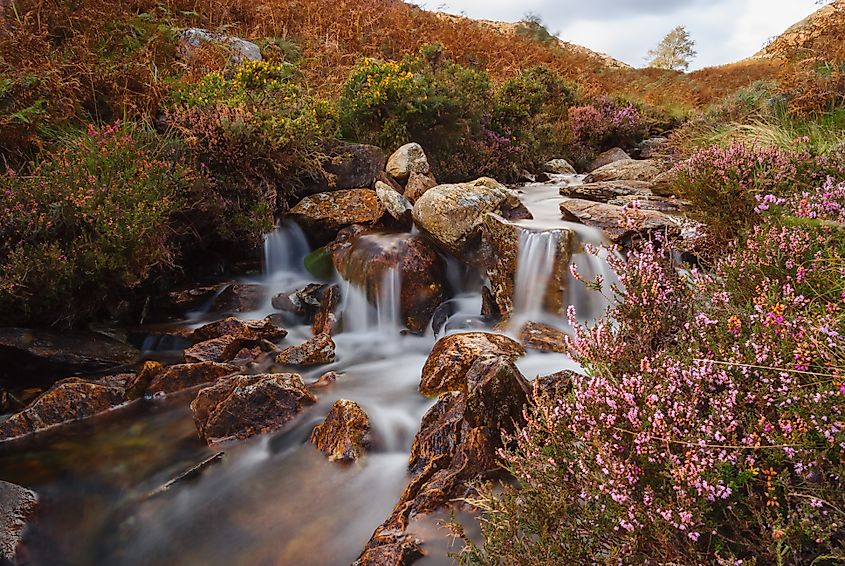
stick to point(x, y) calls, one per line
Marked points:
point(724, 30)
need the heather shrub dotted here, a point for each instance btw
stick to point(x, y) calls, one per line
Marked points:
point(723, 441)
point(92, 221)
point(606, 124)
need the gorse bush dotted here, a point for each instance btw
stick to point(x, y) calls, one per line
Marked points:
point(719, 438)
point(93, 220)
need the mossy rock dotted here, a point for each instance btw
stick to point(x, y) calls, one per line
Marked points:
point(319, 263)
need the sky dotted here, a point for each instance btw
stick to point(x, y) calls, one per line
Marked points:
point(725, 31)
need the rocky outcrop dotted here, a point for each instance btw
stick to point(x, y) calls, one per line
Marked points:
point(558, 167)
point(318, 350)
point(397, 206)
point(452, 214)
point(613, 155)
point(345, 434)
point(418, 184)
point(245, 405)
point(554, 385)
point(350, 166)
point(410, 158)
point(372, 261)
point(629, 170)
point(17, 505)
point(500, 251)
point(69, 400)
point(192, 39)
point(323, 215)
point(452, 357)
point(616, 222)
point(605, 190)
point(543, 337)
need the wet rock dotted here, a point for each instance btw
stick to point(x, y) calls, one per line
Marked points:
point(558, 167)
point(417, 186)
point(615, 221)
point(322, 215)
point(192, 39)
point(453, 356)
point(452, 214)
point(188, 299)
point(394, 553)
point(136, 386)
point(245, 405)
point(69, 400)
point(325, 380)
point(554, 385)
point(345, 433)
point(542, 337)
point(410, 158)
point(489, 309)
point(185, 376)
point(61, 354)
point(221, 349)
point(610, 156)
point(239, 297)
point(629, 170)
point(500, 252)
point(17, 505)
point(607, 190)
point(317, 351)
point(373, 261)
point(350, 166)
point(267, 329)
point(384, 177)
point(496, 393)
point(325, 320)
point(397, 206)
point(319, 263)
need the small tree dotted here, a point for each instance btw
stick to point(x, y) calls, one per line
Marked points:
point(675, 51)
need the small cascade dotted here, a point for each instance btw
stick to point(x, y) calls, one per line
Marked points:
point(285, 249)
point(360, 316)
point(387, 303)
point(535, 266)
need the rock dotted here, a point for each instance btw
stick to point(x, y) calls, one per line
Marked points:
point(400, 553)
point(60, 354)
point(324, 380)
point(452, 214)
point(319, 263)
point(453, 356)
point(192, 39)
point(136, 386)
point(17, 505)
point(184, 376)
point(318, 350)
point(613, 219)
point(664, 184)
point(383, 177)
point(345, 433)
point(395, 203)
point(501, 243)
point(417, 186)
point(373, 261)
point(239, 297)
point(266, 329)
point(69, 400)
point(538, 336)
point(554, 385)
point(651, 202)
point(607, 190)
point(188, 299)
point(325, 320)
point(350, 166)
point(558, 167)
point(323, 215)
point(654, 148)
point(410, 158)
point(610, 156)
point(497, 393)
point(629, 170)
point(221, 349)
point(245, 405)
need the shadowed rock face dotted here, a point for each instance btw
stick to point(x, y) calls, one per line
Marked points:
point(345, 433)
point(266, 329)
point(17, 505)
point(365, 260)
point(350, 166)
point(245, 405)
point(452, 356)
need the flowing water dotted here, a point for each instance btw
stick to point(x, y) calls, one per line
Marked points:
point(274, 499)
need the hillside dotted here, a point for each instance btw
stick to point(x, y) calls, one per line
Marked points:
point(818, 36)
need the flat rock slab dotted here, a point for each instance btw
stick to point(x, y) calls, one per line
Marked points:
point(629, 170)
point(616, 221)
point(604, 191)
point(17, 505)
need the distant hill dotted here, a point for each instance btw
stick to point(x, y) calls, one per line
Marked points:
point(819, 36)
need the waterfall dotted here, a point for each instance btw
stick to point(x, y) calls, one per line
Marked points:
point(534, 269)
point(285, 249)
point(359, 315)
point(387, 303)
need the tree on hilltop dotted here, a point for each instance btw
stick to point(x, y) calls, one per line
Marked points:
point(675, 51)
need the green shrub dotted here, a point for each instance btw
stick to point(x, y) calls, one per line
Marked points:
point(93, 220)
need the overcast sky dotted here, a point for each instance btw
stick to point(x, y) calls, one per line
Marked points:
point(724, 30)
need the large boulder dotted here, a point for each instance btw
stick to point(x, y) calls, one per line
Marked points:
point(69, 400)
point(324, 214)
point(245, 405)
point(618, 223)
point(371, 260)
point(558, 167)
point(628, 170)
point(17, 505)
point(606, 190)
point(350, 166)
point(502, 241)
point(452, 356)
point(192, 39)
point(410, 158)
point(345, 433)
point(318, 350)
point(452, 214)
point(610, 156)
